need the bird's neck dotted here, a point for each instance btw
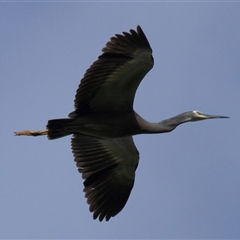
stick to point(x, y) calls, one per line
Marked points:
point(166, 125)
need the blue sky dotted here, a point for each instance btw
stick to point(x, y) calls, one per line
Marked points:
point(188, 181)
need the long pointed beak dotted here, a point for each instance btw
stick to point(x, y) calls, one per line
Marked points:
point(207, 116)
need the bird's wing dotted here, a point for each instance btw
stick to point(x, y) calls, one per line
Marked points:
point(108, 167)
point(111, 81)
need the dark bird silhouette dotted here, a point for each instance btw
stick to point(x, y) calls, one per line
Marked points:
point(104, 122)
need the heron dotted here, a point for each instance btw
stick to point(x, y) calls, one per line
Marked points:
point(104, 122)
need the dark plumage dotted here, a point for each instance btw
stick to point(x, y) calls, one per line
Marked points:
point(104, 121)
point(104, 98)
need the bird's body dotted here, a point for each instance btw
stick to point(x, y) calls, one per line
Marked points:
point(98, 125)
point(104, 122)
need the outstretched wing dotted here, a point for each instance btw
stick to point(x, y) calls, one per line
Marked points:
point(108, 167)
point(109, 85)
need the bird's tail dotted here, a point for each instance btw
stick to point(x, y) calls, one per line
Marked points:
point(58, 128)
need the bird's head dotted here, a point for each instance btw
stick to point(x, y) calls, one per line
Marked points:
point(197, 115)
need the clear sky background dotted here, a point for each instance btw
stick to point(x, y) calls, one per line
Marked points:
point(188, 181)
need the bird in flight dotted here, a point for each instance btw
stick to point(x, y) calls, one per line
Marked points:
point(104, 122)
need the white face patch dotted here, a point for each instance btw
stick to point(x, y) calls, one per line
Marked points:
point(196, 112)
